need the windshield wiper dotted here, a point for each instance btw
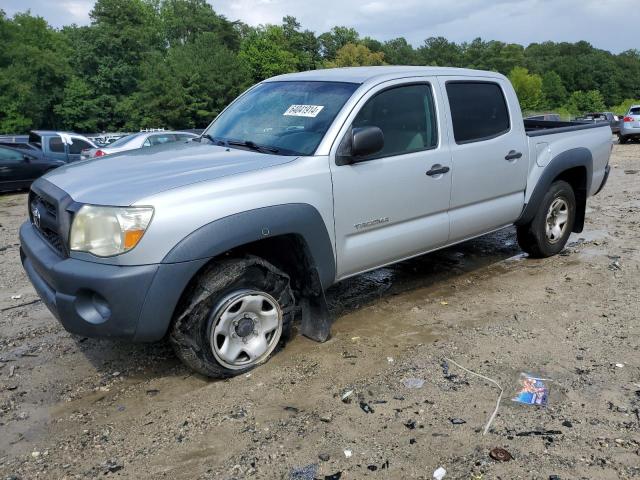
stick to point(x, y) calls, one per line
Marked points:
point(252, 145)
point(216, 141)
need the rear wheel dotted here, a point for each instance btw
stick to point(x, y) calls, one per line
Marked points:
point(548, 232)
point(622, 139)
point(238, 314)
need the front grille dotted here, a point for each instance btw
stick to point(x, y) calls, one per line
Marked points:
point(47, 223)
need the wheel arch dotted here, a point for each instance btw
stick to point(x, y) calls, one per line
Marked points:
point(293, 237)
point(574, 166)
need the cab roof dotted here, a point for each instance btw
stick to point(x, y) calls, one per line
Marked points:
point(377, 74)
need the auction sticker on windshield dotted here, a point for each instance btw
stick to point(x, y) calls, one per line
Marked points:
point(303, 110)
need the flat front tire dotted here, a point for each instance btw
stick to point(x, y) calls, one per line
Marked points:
point(237, 314)
point(549, 230)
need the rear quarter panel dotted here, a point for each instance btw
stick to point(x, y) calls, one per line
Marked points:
point(544, 148)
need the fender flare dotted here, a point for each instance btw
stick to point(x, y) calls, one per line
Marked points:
point(249, 226)
point(575, 157)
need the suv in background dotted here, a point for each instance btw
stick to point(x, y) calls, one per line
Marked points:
point(139, 140)
point(630, 126)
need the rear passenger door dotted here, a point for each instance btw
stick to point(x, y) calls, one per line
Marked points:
point(56, 148)
point(387, 207)
point(488, 152)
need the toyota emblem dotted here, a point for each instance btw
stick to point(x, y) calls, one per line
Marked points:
point(36, 216)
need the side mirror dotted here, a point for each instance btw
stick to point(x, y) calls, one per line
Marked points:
point(359, 144)
point(366, 141)
point(26, 158)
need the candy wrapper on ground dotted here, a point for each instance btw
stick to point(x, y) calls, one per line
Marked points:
point(533, 391)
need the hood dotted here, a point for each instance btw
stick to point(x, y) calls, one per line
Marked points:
point(124, 178)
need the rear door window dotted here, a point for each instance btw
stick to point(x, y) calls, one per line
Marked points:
point(78, 145)
point(56, 145)
point(478, 111)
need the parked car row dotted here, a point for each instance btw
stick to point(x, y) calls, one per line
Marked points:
point(139, 140)
point(25, 158)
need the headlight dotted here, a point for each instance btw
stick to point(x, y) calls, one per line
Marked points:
point(108, 231)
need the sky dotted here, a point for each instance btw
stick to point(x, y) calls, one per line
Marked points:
point(607, 24)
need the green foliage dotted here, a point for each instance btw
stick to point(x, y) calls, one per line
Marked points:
point(177, 63)
point(398, 52)
point(352, 55)
point(337, 38)
point(582, 102)
point(34, 67)
point(553, 89)
point(528, 87)
point(264, 50)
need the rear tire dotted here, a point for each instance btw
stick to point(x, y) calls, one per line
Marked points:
point(622, 139)
point(548, 232)
point(238, 314)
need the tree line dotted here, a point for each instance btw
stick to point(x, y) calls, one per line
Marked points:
point(178, 63)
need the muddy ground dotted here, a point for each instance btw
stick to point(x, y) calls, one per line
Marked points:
point(72, 407)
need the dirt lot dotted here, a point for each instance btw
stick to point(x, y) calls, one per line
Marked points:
point(73, 407)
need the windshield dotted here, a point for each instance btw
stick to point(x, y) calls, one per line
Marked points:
point(290, 118)
point(124, 140)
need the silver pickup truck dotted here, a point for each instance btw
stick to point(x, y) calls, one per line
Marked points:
point(304, 180)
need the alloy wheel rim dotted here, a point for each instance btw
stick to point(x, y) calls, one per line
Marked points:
point(557, 219)
point(246, 328)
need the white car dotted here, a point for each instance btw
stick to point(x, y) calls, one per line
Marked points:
point(139, 140)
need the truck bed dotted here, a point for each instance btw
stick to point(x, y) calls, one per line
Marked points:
point(536, 128)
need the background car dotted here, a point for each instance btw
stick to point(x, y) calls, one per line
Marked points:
point(19, 169)
point(630, 127)
point(611, 118)
point(553, 117)
point(139, 140)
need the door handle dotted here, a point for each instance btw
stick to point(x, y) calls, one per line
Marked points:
point(437, 170)
point(513, 155)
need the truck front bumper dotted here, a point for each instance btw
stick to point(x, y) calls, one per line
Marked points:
point(99, 300)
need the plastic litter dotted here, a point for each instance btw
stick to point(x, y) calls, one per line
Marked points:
point(413, 382)
point(366, 408)
point(533, 391)
point(348, 453)
point(307, 472)
point(16, 297)
point(439, 473)
point(346, 396)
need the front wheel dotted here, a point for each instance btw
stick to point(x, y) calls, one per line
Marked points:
point(239, 312)
point(548, 232)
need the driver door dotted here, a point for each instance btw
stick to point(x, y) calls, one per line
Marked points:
point(389, 207)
